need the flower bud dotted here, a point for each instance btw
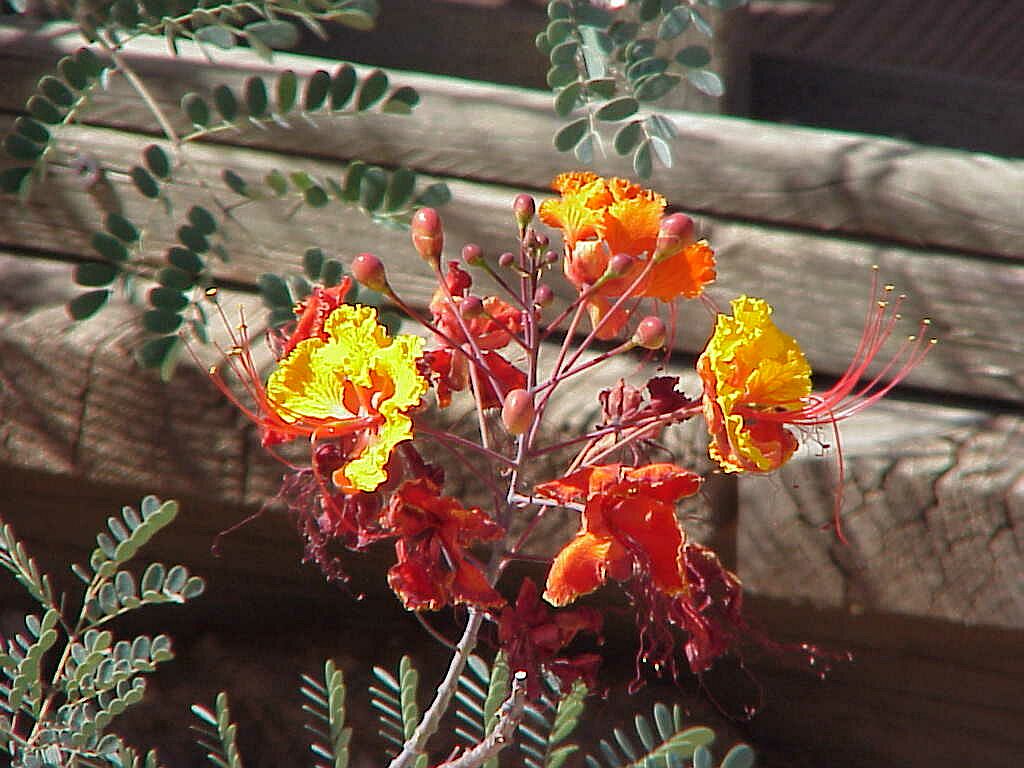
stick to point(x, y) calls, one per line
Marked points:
point(619, 265)
point(523, 207)
point(676, 232)
point(470, 307)
point(368, 270)
point(543, 296)
point(472, 254)
point(550, 257)
point(428, 235)
point(506, 260)
point(650, 333)
point(518, 411)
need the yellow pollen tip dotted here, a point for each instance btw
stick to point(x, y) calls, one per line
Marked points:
point(926, 321)
point(889, 288)
point(235, 352)
point(211, 293)
point(912, 337)
point(933, 342)
point(874, 267)
point(212, 370)
point(898, 316)
point(883, 304)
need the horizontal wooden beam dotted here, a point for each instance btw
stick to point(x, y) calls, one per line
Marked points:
point(818, 283)
point(819, 180)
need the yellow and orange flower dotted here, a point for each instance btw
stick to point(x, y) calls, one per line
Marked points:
point(347, 381)
point(757, 381)
point(750, 369)
point(628, 525)
point(601, 218)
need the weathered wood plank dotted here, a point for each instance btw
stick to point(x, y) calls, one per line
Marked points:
point(729, 167)
point(935, 526)
point(974, 304)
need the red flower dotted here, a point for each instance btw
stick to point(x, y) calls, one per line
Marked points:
point(532, 635)
point(433, 567)
point(313, 311)
point(449, 372)
point(629, 527)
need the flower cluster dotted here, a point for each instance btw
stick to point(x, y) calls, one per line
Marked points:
point(356, 393)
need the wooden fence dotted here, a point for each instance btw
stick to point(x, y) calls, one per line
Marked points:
point(929, 593)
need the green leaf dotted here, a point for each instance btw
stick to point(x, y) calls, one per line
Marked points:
point(196, 108)
point(90, 64)
point(202, 220)
point(95, 273)
point(695, 56)
point(235, 182)
point(343, 85)
point(674, 23)
point(56, 91)
point(372, 188)
point(185, 259)
point(175, 278)
point(313, 263)
point(401, 101)
point(619, 109)
point(641, 68)
point(584, 151)
point(569, 98)
point(277, 182)
point(155, 352)
point(353, 180)
point(332, 273)
point(558, 30)
point(661, 126)
point(87, 304)
point(121, 228)
point(654, 87)
point(12, 179)
point(43, 110)
point(399, 189)
point(317, 86)
point(627, 138)
point(216, 35)
point(275, 33)
point(74, 72)
point(287, 87)
point(559, 77)
point(109, 247)
point(144, 182)
point(706, 81)
point(167, 298)
point(570, 135)
point(256, 96)
point(315, 196)
point(702, 757)
point(372, 89)
point(701, 23)
point(662, 151)
point(559, 9)
point(157, 161)
point(740, 756)
point(435, 195)
point(642, 163)
point(193, 239)
point(564, 54)
point(359, 19)
point(21, 148)
point(161, 321)
point(602, 87)
point(274, 291)
point(32, 130)
point(224, 100)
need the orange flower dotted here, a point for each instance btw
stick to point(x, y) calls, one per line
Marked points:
point(757, 382)
point(433, 567)
point(628, 526)
point(601, 218)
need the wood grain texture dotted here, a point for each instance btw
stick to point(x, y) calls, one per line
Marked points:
point(935, 528)
point(819, 180)
point(974, 304)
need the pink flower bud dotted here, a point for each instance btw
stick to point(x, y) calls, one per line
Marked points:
point(518, 411)
point(650, 333)
point(550, 257)
point(676, 232)
point(506, 260)
point(428, 235)
point(368, 270)
point(543, 295)
point(619, 264)
point(470, 307)
point(523, 207)
point(472, 254)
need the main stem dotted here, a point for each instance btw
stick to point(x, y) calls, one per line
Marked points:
point(445, 691)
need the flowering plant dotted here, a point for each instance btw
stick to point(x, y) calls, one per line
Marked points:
point(357, 395)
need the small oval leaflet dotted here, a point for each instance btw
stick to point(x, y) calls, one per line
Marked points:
point(373, 88)
point(87, 304)
point(316, 90)
point(95, 273)
point(619, 109)
point(287, 88)
point(226, 103)
point(570, 135)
